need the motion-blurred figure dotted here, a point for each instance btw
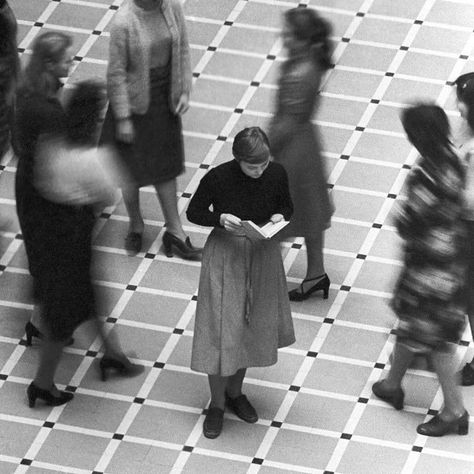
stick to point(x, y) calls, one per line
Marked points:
point(295, 143)
point(428, 297)
point(57, 235)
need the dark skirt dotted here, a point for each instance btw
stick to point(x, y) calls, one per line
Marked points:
point(243, 314)
point(157, 154)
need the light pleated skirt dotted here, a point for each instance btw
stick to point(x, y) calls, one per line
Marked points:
point(243, 313)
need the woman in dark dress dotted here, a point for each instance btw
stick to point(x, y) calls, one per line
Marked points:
point(295, 142)
point(149, 82)
point(243, 313)
point(57, 237)
point(428, 297)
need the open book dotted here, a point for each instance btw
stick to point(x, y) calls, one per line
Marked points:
point(266, 231)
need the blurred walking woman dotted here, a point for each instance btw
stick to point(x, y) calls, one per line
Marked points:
point(243, 314)
point(295, 142)
point(57, 237)
point(149, 81)
point(428, 297)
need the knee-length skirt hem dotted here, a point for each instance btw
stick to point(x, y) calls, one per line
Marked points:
point(230, 334)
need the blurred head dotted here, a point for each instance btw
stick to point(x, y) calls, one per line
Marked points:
point(465, 97)
point(83, 111)
point(7, 35)
point(252, 151)
point(305, 30)
point(51, 59)
point(427, 128)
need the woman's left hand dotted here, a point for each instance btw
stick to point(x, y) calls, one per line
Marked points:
point(183, 104)
point(276, 218)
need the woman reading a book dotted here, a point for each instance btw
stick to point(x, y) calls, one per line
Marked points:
point(243, 313)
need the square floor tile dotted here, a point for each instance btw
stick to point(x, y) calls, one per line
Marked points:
point(382, 459)
point(370, 177)
point(452, 13)
point(262, 14)
point(366, 309)
point(386, 118)
point(305, 332)
point(16, 287)
point(236, 437)
point(26, 10)
point(94, 413)
point(440, 39)
point(201, 33)
point(196, 149)
point(367, 57)
point(365, 345)
point(114, 267)
point(200, 463)
point(134, 458)
point(67, 449)
point(356, 206)
point(172, 276)
point(388, 244)
point(405, 91)
point(352, 83)
point(154, 309)
point(338, 110)
point(266, 400)
point(100, 48)
point(201, 120)
point(334, 140)
point(7, 185)
point(388, 424)
point(346, 237)
point(12, 322)
point(284, 371)
point(224, 62)
point(382, 31)
point(181, 354)
point(403, 9)
point(263, 100)
point(188, 389)
point(301, 449)
point(385, 279)
point(163, 425)
point(381, 147)
point(425, 65)
point(337, 377)
point(209, 92)
point(248, 40)
point(16, 438)
point(85, 18)
point(430, 463)
point(322, 412)
point(215, 9)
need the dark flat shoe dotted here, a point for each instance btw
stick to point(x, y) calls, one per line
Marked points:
point(467, 376)
point(133, 242)
point(394, 397)
point(121, 366)
point(304, 291)
point(213, 422)
point(438, 427)
point(242, 408)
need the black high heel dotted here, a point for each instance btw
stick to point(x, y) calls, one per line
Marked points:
point(394, 397)
point(32, 331)
point(299, 294)
point(438, 427)
point(185, 249)
point(34, 392)
point(122, 366)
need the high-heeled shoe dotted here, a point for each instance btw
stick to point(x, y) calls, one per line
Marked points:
point(438, 427)
point(34, 392)
point(32, 331)
point(299, 294)
point(394, 397)
point(467, 375)
point(121, 365)
point(185, 249)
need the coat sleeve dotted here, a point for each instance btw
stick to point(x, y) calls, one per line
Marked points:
point(199, 209)
point(184, 48)
point(117, 71)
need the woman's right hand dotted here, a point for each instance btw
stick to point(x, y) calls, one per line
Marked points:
point(231, 223)
point(125, 132)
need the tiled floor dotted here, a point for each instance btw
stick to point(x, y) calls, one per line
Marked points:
point(316, 410)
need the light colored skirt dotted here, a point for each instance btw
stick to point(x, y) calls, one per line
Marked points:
point(243, 313)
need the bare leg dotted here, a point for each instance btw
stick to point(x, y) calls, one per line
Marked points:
point(314, 254)
point(217, 385)
point(131, 198)
point(402, 357)
point(169, 204)
point(234, 383)
point(50, 356)
point(110, 341)
point(445, 366)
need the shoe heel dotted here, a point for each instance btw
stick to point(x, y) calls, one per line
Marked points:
point(326, 293)
point(463, 426)
point(167, 246)
point(31, 400)
point(103, 373)
point(29, 337)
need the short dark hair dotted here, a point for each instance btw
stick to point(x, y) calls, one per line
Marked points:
point(83, 111)
point(251, 145)
point(465, 94)
point(427, 127)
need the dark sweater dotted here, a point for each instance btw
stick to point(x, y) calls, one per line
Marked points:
point(229, 190)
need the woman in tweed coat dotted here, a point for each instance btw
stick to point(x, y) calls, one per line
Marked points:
point(149, 81)
point(428, 298)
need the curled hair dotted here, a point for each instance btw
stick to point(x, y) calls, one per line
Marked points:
point(83, 112)
point(465, 94)
point(427, 127)
point(308, 26)
point(251, 145)
point(48, 48)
